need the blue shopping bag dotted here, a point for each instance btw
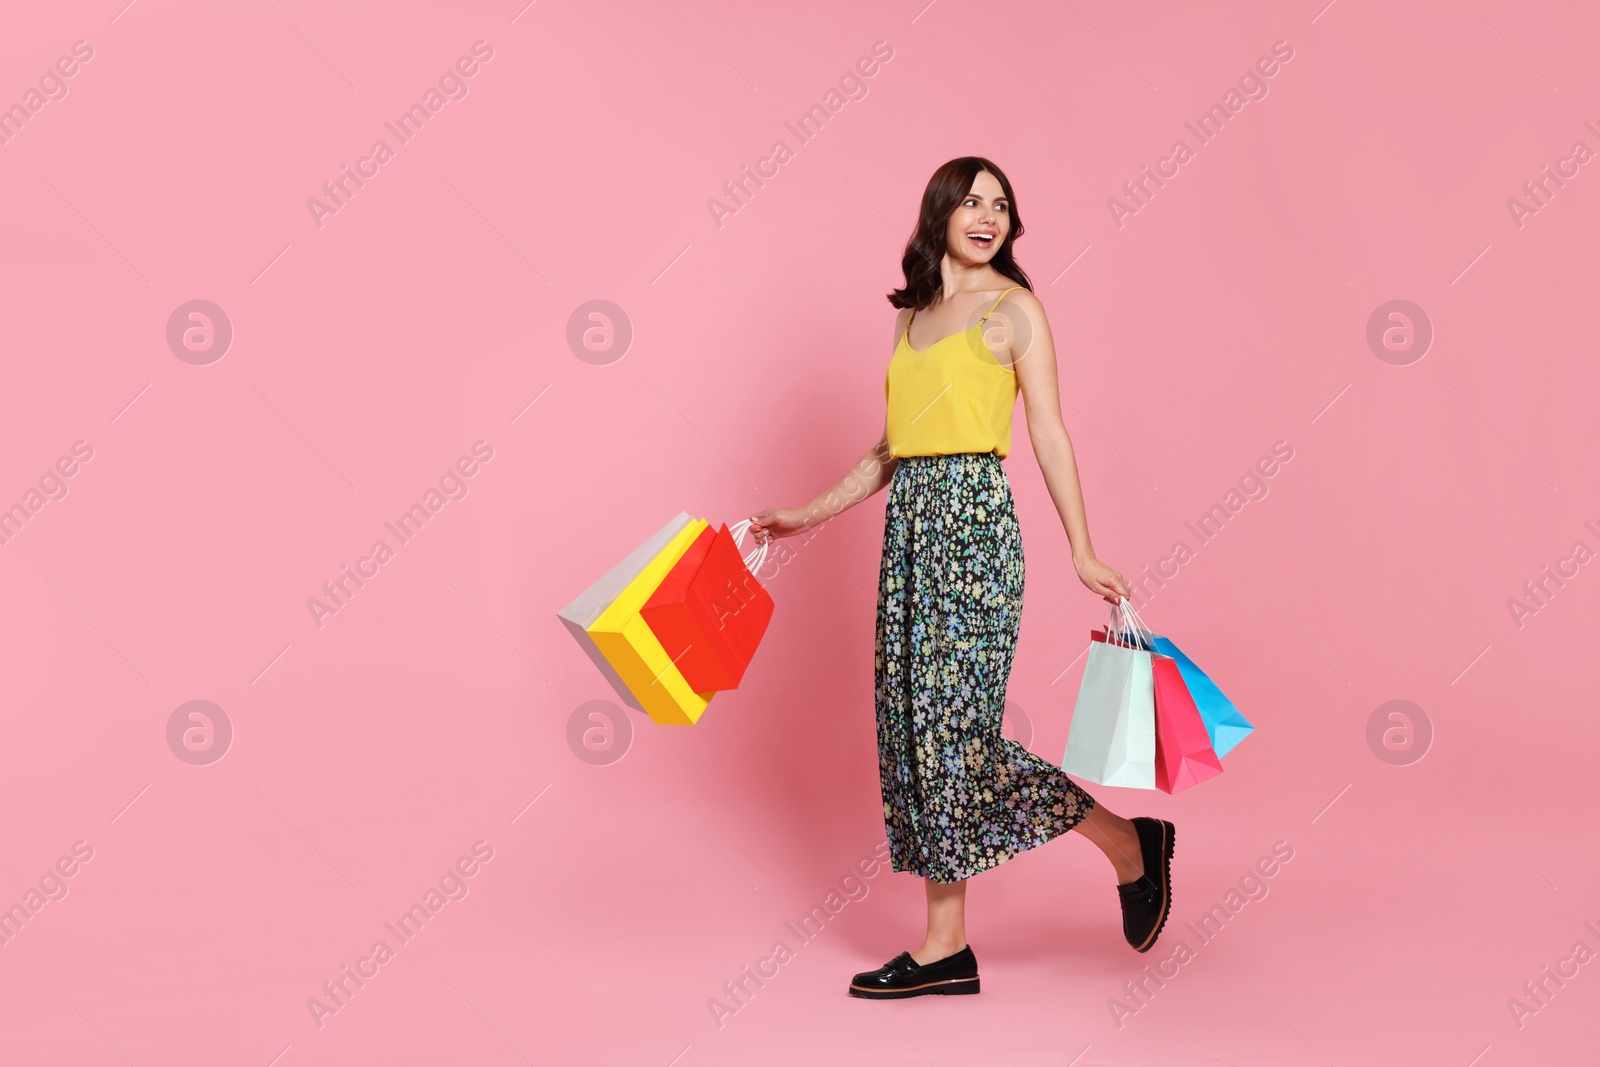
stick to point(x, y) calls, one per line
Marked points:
point(1223, 722)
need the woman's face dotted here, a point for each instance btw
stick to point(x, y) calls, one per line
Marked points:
point(980, 223)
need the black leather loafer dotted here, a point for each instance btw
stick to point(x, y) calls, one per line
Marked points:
point(904, 977)
point(1148, 898)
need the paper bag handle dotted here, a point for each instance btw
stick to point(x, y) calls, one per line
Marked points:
point(756, 558)
point(1126, 627)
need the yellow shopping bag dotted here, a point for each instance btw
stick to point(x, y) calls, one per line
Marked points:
point(633, 650)
point(590, 604)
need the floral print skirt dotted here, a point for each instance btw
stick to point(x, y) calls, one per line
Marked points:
point(958, 798)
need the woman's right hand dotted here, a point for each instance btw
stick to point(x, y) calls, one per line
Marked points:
point(771, 523)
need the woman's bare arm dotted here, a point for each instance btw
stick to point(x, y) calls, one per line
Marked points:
point(870, 474)
point(1035, 367)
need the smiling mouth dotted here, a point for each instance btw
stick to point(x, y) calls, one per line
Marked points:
point(981, 238)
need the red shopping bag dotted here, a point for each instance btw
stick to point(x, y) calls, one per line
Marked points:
point(710, 613)
point(1184, 755)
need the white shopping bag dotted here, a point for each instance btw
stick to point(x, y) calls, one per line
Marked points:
point(1112, 740)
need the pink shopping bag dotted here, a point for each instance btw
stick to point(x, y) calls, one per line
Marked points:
point(1183, 747)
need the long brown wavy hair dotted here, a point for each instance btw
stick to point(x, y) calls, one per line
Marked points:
point(950, 185)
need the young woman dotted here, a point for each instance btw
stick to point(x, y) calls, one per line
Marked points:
point(958, 798)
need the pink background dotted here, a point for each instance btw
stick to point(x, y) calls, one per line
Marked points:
point(432, 711)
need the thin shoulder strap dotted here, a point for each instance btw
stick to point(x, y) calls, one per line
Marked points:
point(997, 302)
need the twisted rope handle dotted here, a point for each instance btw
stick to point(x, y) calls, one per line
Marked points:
point(1126, 627)
point(756, 558)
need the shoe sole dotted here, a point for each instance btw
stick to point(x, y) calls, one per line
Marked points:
point(950, 987)
point(1169, 835)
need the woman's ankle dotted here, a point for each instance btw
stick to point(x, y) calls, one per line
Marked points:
point(1126, 854)
point(938, 948)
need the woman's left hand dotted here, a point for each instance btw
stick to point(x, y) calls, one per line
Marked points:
point(1105, 581)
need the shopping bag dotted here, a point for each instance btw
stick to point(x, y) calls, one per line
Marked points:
point(1184, 755)
point(579, 615)
point(1225, 726)
point(1112, 739)
point(628, 645)
point(710, 613)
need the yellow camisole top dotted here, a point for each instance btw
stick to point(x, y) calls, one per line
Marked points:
point(953, 396)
